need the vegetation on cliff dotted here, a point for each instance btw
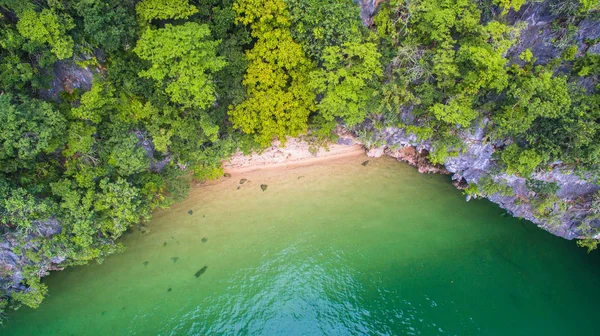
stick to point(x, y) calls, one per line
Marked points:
point(179, 85)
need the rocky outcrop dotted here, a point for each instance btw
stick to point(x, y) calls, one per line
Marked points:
point(368, 8)
point(14, 258)
point(545, 38)
point(569, 211)
point(67, 76)
point(146, 143)
point(567, 216)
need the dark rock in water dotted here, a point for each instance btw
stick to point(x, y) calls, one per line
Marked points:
point(190, 212)
point(103, 313)
point(201, 271)
point(175, 259)
point(164, 244)
point(204, 239)
point(263, 187)
point(365, 163)
point(227, 175)
point(242, 181)
point(146, 263)
point(299, 177)
point(170, 289)
point(238, 187)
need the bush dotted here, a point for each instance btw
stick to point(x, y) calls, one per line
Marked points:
point(521, 161)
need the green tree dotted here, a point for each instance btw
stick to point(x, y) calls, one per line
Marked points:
point(123, 152)
point(530, 96)
point(48, 27)
point(27, 129)
point(318, 24)
point(108, 24)
point(183, 59)
point(346, 81)
point(521, 161)
point(96, 103)
point(34, 294)
point(505, 5)
point(80, 139)
point(278, 99)
point(16, 73)
point(21, 209)
point(150, 10)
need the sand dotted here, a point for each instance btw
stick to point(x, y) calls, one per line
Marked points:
point(296, 152)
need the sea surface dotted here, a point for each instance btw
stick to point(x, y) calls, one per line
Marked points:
point(345, 247)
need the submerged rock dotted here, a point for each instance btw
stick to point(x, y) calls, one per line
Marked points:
point(242, 181)
point(170, 289)
point(175, 259)
point(227, 175)
point(365, 163)
point(146, 263)
point(164, 244)
point(201, 271)
point(190, 212)
point(263, 187)
point(204, 239)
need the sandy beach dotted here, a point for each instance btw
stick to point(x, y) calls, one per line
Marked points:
point(295, 153)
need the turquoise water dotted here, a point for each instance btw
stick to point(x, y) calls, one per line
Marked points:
point(332, 249)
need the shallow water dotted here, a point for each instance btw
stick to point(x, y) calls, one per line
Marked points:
point(334, 249)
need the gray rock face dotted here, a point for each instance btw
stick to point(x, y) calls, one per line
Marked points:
point(588, 29)
point(569, 214)
point(146, 142)
point(545, 40)
point(67, 76)
point(571, 186)
point(368, 8)
point(537, 34)
point(49, 228)
point(13, 256)
point(345, 141)
point(477, 162)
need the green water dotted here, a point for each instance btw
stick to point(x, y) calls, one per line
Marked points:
point(333, 249)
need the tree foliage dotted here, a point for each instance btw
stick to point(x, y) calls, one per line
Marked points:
point(346, 81)
point(149, 10)
point(29, 128)
point(278, 100)
point(109, 24)
point(183, 59)
point(48, 27)
point(318, 24)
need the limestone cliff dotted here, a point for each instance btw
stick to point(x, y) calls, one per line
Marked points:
point(572, 211)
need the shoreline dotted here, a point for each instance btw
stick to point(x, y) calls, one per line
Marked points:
point(296, 153)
